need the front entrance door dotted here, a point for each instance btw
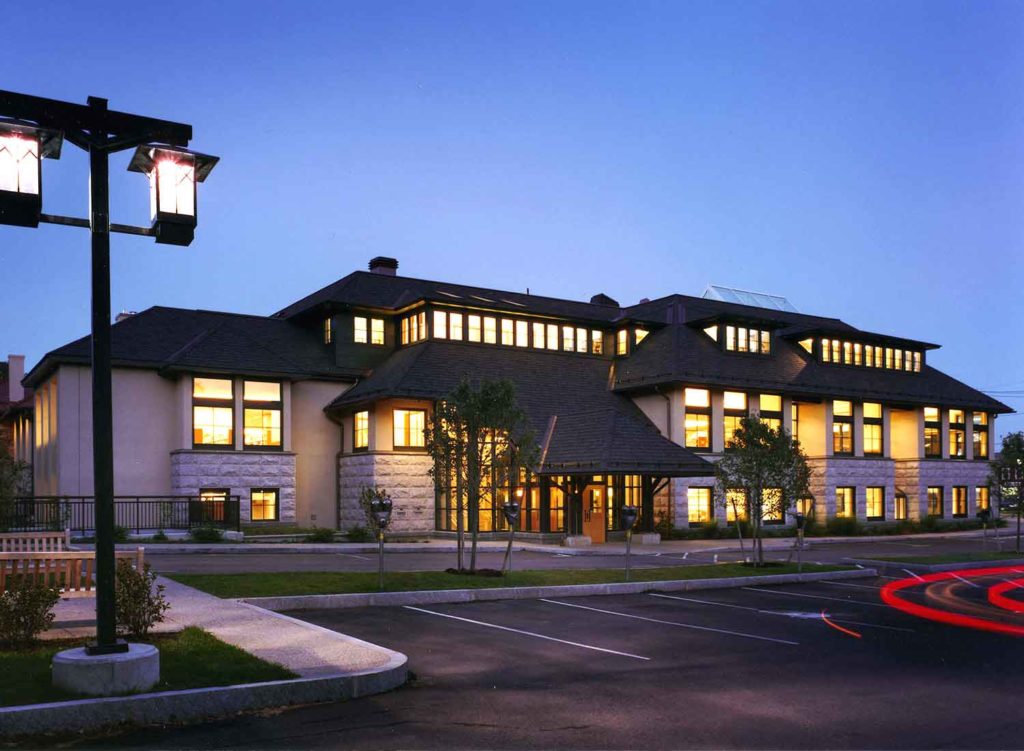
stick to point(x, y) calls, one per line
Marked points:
point(593, 513)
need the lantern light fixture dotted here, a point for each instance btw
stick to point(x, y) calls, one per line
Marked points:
point(23, 146)
point(173, 174)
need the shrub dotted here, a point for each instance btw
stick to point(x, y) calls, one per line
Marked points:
point(321, 534)
point(709, 530)
point(160, 536)
point(206, 534)
point(140, 600)
point(120, 533)
point(930, 524)
point(359, 533)
point(843, 526)
point(664, 527)
point(26, 610)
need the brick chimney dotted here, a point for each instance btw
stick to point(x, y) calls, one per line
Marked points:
point(384, 265)
point(15, 372)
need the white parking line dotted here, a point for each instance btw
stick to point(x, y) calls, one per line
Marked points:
point(675, 623)
point(774, 612)
point(913, 574)
point(360, 557)
point(966, 581)
point(525, 633)
point(817, 597)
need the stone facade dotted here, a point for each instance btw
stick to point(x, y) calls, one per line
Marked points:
point(239, 471)
point(915, 476)
point(406, 478)
point(827, 474)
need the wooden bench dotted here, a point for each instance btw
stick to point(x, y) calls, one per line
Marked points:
point(35, 542)
point(70, 571)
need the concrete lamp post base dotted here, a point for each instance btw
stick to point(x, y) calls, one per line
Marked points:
point(136, 670)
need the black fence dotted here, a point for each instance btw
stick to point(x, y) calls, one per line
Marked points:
point(134, 513)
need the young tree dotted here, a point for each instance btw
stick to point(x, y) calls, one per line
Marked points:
point(477, 431)
point(770, 466)
point(1008, 494)
point(12, 479)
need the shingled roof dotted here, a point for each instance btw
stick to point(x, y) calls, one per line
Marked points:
point(179, 340)
point(595, 430)
point(362, 289)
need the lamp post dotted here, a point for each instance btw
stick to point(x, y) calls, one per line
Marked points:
point(627, 517)
point(801, 523)
point(380, 508)
point(33, 128)
point(510, 510)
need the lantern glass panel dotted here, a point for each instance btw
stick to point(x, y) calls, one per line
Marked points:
point(173, 188)
point(19, 164)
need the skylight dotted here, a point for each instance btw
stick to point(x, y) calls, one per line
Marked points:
point(745, 297)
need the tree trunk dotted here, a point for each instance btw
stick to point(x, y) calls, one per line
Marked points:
point(739, 529)
point(460, 510)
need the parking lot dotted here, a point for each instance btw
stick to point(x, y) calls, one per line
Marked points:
point(807, 666)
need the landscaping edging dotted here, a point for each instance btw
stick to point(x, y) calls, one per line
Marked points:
point(902, 567)
point(438, 596)
point(198, 703)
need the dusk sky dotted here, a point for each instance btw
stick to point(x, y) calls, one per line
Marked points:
point(865, 160)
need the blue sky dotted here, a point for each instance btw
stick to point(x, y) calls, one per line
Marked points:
point(864, 159)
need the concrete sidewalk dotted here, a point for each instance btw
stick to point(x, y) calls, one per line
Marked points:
point(307, 650)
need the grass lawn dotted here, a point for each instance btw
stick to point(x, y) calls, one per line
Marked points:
point(981, 556)
point(191, 658)
point(339, 582)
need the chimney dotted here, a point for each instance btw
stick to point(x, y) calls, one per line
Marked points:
point(384, 265)
point(602, 299)
point(124, 315)
point(15, 372)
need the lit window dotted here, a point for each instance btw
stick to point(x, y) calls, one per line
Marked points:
point(522, 334)
point(360, 330)
point(213, 412)
point(640, 334)
point(847, 353)
point(263, 504)
point(473, 324)
point(872, 411)
point(712, 331)
point(899, 511)
point(552, 336)
point(872, 438)
point(842, 408)
point(826, 351)
point(262, 414)
point(771, 506)
point(361, 430)
point(957, 443)
point(581, 340)
point(766, 343)
point(956, 416)
point(981, 500)
point(455, 326)
point(568, 338)
point(845, 502)
point(869, 356)
point(697, 398)
point(377, 331)
point(409, 426)
point(730, 338)
point(327, 331)
point(980, 418)
point(959, 501)
point(538, 335)
point(771, 403)
point(212, 503)
point(736, 504)
point(917, 362)
point(596, 342)
point(698, 430)
point(858, 353)
point(621, 342)
point(807, 344)
point(794, 415)
point(440, 324)
point(875, 502)
point(730, 424)
point(508, 335)
point(980, 440)
point(935, 504)
point(842, 437)
point(698, 502)
point(734, 400)
point(490, 330)
point(931, 414)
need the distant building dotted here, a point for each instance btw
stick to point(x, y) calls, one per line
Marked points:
point(297, 411)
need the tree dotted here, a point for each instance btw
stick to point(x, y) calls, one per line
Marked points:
point(476, 432)
point(1008, 494)
point(12, 479)
point(770, 466)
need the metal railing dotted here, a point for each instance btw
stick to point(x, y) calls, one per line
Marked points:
point(134, 513)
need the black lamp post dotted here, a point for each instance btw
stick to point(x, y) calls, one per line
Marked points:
point(380, 508)
point(32, 128)
point(627, 517)
point(801, 524)
point(510, 510)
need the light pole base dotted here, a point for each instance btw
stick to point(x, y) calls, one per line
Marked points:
point(138, 669)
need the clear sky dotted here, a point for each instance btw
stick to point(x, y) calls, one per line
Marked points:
point(864, 159)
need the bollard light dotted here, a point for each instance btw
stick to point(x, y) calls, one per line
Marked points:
point(22, 150)
point(173, 174)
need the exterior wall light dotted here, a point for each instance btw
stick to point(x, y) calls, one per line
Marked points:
point(22, 149)
point(173, 174)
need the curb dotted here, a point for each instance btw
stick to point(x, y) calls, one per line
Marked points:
point(197, 704)
point(439, 596)
point(903, 567)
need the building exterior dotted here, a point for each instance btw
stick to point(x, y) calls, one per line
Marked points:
point(298, 411)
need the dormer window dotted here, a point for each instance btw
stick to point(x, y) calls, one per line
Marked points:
point(328, 334)
point(368, 330)
point(860, 354)
point(622, 342)
point(744, 339)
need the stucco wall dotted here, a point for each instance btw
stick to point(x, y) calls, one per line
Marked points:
point(316, 441)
